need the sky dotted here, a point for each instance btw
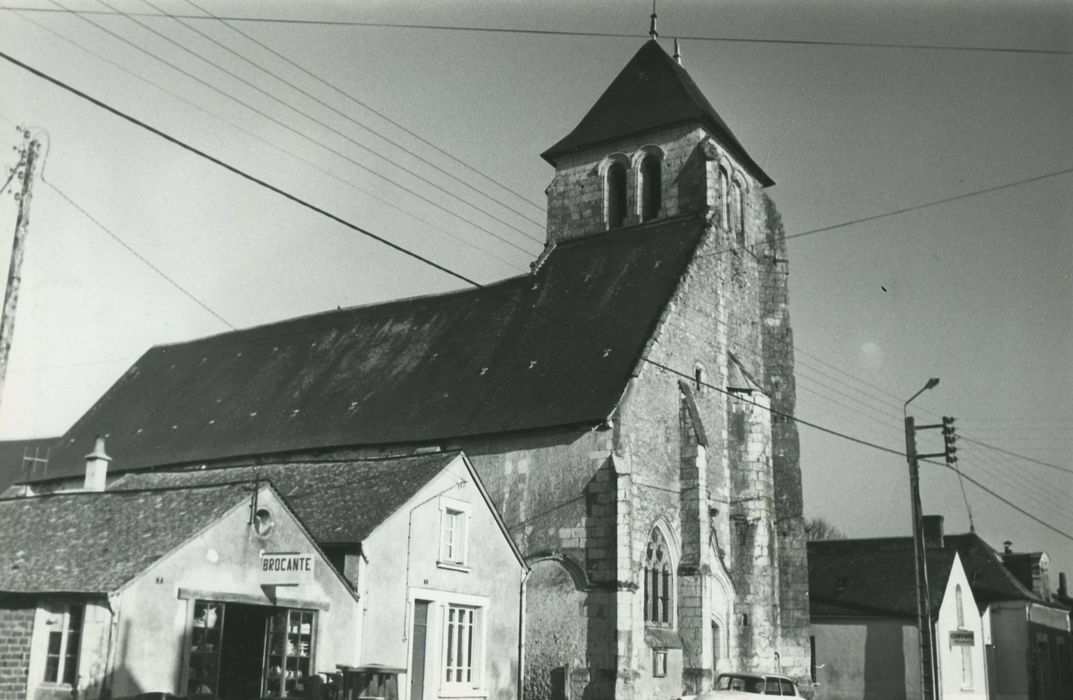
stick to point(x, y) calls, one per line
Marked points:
point(430, 138)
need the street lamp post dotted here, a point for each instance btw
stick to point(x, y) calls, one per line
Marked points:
point(924, 627)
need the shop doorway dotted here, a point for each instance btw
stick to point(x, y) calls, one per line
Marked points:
point(241, 651)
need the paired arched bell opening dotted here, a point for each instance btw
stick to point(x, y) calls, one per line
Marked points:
point(645, 172)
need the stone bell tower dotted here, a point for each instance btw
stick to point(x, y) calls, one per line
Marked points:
point(651, 154)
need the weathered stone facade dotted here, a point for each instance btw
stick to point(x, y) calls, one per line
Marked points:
point(701, 448)
point(16, 630)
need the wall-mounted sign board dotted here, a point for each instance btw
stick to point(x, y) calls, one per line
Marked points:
point(962, 638)
point(286, 568)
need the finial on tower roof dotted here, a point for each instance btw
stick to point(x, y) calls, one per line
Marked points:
point(677, 54)
point(652, 27)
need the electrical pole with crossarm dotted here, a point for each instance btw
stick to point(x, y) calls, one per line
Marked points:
point(28, 163)
point(928, 663)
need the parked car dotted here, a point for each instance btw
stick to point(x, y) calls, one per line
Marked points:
point(730, 685)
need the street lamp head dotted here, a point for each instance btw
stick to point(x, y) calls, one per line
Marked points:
point(932, 383)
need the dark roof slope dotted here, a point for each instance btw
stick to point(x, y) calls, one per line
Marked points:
point(338, 502)
point(94, 542)
point(652, 92)
point(21, 459)
point(870, 578)
point(990, 579)
point(879, 575)
point(554, 348)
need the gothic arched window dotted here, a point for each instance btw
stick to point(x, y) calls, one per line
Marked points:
point(724, 197)
point(651, 187)
point(959, 602)
point(658, 580)
point(616, 195)
point(739, 213)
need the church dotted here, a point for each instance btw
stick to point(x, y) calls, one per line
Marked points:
point(628, 405)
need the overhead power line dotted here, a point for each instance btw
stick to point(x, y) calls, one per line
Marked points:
point(334, 110)
point(1057, 467)
point(350, 98)
point(928, 205)
point(138, 255)
point(452, 273)
point(1009, 503)
point(302, 159)
point(585, 34)
point(301, 134)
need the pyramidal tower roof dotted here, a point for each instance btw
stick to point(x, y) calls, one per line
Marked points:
point(652, 92)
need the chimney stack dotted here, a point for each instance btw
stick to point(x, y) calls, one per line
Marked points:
point(1007, 547)
point(97, 467)
point(933, 531)
point(1063, 592)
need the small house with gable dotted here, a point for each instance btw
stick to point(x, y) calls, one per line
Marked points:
point(264, 581)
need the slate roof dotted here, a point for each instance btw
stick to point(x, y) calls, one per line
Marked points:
point(553, 348)
point(13, 468)
point(652, 92)
point(871, 578)
point(991, 581)
point(338, 502)
point(94, 542)
point(880, 578)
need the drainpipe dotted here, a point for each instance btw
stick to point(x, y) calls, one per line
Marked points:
point(113, 643)
point(521, 633)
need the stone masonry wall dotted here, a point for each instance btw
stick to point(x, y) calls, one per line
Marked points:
point(719, 310)
point(16, 630)
point(778, 352)
point(558, 493)
point(716, 310)
point(576, 194)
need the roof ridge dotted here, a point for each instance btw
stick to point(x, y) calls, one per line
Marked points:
point(123, 492)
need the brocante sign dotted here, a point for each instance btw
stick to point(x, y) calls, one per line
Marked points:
point(286, 568)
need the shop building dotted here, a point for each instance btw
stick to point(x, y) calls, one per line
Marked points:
point(209, 583)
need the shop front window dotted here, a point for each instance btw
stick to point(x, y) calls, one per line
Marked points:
point(290, 653)
point(205, 640)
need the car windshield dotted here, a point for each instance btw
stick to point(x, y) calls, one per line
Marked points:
point(742, 684)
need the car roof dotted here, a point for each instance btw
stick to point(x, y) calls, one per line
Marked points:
point(749, 674)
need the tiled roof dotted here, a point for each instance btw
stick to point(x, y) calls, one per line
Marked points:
point(867, 577)
point(338, 502)
point(652, 92)
point(94, 542)
point(549, 349)
point(870, 578)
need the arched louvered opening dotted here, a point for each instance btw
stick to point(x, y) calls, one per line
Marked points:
point(651, 187)
point(616, 195)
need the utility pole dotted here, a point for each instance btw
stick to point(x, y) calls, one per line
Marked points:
point(920, 561)
point(925, 630)
point(28, 162)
